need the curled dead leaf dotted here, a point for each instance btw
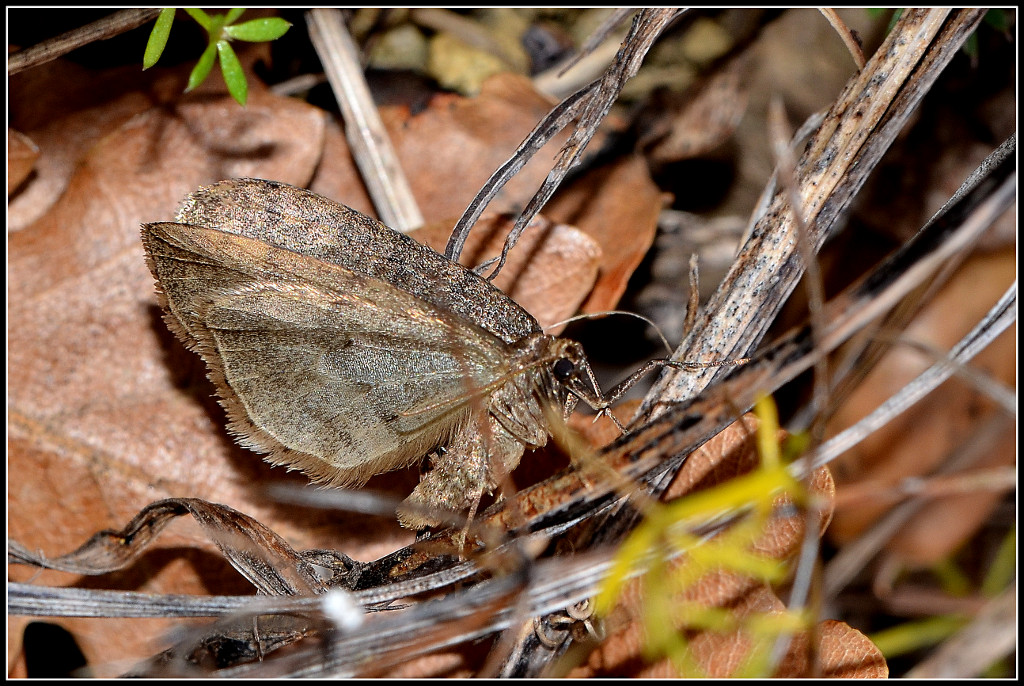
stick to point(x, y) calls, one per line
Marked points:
point(618, 206)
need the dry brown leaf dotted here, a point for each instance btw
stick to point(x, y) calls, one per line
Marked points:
point(731, 453)
point(618, 206)
point(67, 109)
point(99, 424)
point(943, 524)
point(842, 651)
point(434, 666)
point(916, 442)
point(22, 154)
point(780, 540)
point(550, 271)
point(721, 654)
point(846, 653)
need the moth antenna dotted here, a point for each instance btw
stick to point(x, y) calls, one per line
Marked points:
point(599, 315)
point(660, 362)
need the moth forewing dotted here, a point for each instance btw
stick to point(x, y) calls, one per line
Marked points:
point(317, 365)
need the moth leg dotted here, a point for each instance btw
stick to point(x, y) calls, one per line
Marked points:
point(461, 474)
point(602, 403)
point(620, 389)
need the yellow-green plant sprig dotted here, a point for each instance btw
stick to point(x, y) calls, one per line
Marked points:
point(666, 532)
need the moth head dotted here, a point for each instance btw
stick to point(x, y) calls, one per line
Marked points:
point(569, 360)
point(565, 370)
point(570, 370)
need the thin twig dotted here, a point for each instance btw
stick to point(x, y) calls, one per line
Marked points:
point(557, 119)
point(297, 84)
point(587, 63)
point(844, 31)
point(855, 555)
point(861, 125)
point(860, 356)
point(600, 35)
point(785, 165)
point(367, 138)
point(693, 304)
point(33, 600)
point(995, 322)
point(559, 84)
point(646, 28)
point(101, 29)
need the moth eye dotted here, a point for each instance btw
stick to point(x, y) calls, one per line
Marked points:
point(563, 369)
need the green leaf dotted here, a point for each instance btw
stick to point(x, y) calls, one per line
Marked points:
point(158, 37)
point(202, 68)
point(234, 77)
point(998, 20)
point(200, 16)
point(916, 634)
point(1003, 568)
point(256, 30)
point(970, 46)
point(233, 14)
point(893, 19)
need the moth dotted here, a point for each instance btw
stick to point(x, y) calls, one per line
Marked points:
point(345, 349)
